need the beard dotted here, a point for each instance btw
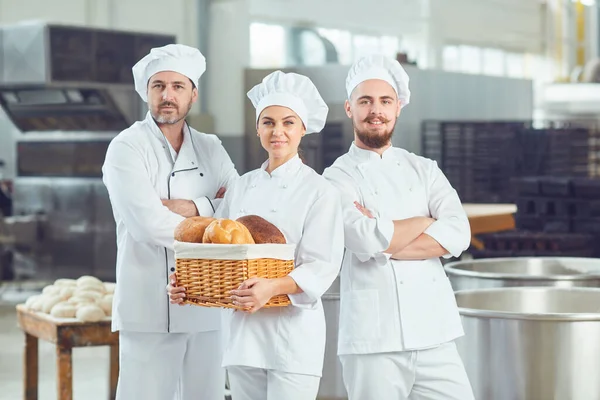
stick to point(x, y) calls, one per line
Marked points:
point(169, 119)
point(374, 139)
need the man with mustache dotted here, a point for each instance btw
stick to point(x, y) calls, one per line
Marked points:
point(158, 172)
point(398, 314)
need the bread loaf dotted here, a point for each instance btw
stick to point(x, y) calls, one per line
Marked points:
point(192, 229)
point(226, 231)
point(262, 231)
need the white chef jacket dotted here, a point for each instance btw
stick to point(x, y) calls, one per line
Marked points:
point(307, 210)
point(138, 172)
point(389, 305)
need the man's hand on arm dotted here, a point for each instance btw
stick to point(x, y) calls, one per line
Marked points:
point(422, 248)
point(185, 208)
point(406, 231)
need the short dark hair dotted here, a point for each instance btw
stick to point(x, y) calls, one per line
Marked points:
point(193, 84)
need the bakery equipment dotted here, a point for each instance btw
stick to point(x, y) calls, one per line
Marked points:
point(65, 92)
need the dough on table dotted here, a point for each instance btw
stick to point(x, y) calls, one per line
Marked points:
point(51, 290)
point(66, 292)
point(32, 299)
point(92, 287)
point(65, 282)
point(109, 287)
point(63, 310)
point(86, 279)
point(49, 302)
point(91, 294)
point(76, 300)
point(106, 304)
point(89, 313)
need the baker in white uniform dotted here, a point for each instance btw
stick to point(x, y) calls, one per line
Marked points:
point(158, 172)
point(398, 316)
point(277, 353)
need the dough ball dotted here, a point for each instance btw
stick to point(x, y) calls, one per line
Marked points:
point(89, 313)
point(93, 287)
point(38, 303)
point(49, 302)
point(91, 294)
point(106, 304)
point(88, 279)
point(32, 299)
point(77, 300)
point(109, 287)
point(67, 292)
point(51, 290)
point(63, 310)
point(65, 282)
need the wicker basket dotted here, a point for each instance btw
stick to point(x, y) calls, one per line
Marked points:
point(208, 278)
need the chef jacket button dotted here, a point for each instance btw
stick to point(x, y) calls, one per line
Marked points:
point(285, 186)
point(172, 173)
point(273, 210)
point(172, 269)
point(201, 174)
point(252, 186)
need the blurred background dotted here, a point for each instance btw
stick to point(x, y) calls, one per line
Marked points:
point(505, 97)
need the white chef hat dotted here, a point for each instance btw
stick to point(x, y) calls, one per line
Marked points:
point(379, 67)
point(179, 58)
point(294, 91)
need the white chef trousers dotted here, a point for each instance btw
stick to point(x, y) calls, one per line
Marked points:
point(247, 383)
point(167, 366)
point(432, 374)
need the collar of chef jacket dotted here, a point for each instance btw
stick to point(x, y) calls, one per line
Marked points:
point(364, 157)
point(186, 158)
point(289, 167)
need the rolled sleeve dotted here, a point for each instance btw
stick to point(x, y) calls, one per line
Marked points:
point(320, 251)
point(363, 236)
point(134, 199)
point(451, 228)
point(383, 232)
point(205, 206)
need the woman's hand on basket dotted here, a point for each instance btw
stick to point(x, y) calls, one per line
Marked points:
point(253, 294)
point(176, 293)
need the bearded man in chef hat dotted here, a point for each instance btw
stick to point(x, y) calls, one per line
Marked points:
point(158, 172)
point(398, 316)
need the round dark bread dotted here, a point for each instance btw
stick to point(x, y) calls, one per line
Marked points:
point(262, 231)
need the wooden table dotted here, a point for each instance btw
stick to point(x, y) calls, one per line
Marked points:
point(489, 218)
point(66, 333)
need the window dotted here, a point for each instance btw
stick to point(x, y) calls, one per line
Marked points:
point(515, 67)
point(470, 59)
point(267, 46)
point(342, 40)
point(493, 62)
point(451, 58)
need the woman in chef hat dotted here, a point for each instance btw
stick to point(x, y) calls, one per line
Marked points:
point(277, 353)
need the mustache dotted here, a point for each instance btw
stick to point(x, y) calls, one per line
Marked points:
point(167, 104)
point(382, 119)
